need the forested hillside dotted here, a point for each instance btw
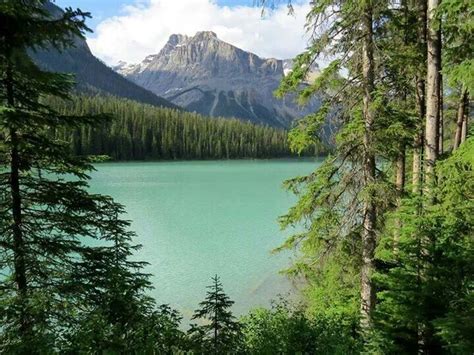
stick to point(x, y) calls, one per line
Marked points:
point(137, 132)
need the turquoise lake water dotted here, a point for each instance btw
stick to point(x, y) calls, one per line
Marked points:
point(197, 219)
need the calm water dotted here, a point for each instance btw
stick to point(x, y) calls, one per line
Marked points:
point(196, 219)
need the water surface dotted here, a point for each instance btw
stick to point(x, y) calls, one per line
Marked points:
point(197, 219)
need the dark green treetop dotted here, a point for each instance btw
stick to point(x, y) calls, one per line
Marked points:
point(220, 333)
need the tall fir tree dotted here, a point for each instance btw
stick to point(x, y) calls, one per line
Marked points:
point(426, 288)
point(334, 200)
point(345, 199)
point(48, 218)
point(116, 315)
point(433, 92)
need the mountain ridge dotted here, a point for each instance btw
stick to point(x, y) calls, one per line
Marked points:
point(202, 73)
point(91, 74)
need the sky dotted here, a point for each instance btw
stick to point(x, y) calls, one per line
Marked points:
point(130, 30)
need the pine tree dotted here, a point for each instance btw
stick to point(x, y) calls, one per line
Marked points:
point(460, 118)
point(425, 290)
point(370, 209)
point(116, 311)
point(221, 334)
point(433, 92)
point(457, 58)
point(47, 216)
point(418, 142)
point(346, 197)
point(420, 306)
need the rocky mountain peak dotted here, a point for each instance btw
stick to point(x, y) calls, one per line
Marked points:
point(176, 39)
point(205, 35)
point(206, 74)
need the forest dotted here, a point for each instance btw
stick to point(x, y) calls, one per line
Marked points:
point(386, 250)
point(144, 132)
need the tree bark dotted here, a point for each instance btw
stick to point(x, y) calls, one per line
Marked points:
point(465, 120)
point(418, 143)
point(441, 113)
point(432, 95)
point(432, 137)
point(400, 170)
point(370, 216)
point(460, 119)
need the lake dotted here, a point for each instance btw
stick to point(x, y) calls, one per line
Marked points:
point(200, 218)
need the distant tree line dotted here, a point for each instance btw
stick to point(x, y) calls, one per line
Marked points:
point(144, 132)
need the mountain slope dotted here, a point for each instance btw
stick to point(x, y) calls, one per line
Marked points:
point(212, 77)
point(91, 74)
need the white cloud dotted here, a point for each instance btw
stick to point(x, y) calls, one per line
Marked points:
point(145, 27)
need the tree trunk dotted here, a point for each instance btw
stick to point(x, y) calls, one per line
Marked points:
point(432, 129)
point(418, 143)
point(441, 112)
point(19, 263)
point(400, 171)
point(465, 120)
point(369, 222)
point(432, 95)
point(460, 119)
point(400, 189)
point(440, 96)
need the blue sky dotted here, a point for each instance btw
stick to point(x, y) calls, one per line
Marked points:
point(130, 30)
point(102, 9)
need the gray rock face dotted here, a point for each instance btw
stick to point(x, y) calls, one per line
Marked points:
point(212, 77)
point(92, 76)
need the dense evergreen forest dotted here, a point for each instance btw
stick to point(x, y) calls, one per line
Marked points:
point(386, 249)
point(139, 131)
point(390, 237)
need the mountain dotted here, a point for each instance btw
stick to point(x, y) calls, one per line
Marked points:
point(91, 74)
point(205, 74)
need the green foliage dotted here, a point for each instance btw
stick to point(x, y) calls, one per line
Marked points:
point(141, 132)
point(428, 279)
point(458, 28)
point(220, 332)
point(68, 282)
point(419, 302)
point(305, 135)
point(115, 309)
point(287, 330)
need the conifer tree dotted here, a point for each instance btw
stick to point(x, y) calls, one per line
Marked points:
point(421, 53)
point(460, 118)
point(47, 216)
point(115, 311)
point(369, 210)
point(343, 198)
point(419, 300)
point(433, 92)
point(221, 333)
point(426, 295)
point(457, 58)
